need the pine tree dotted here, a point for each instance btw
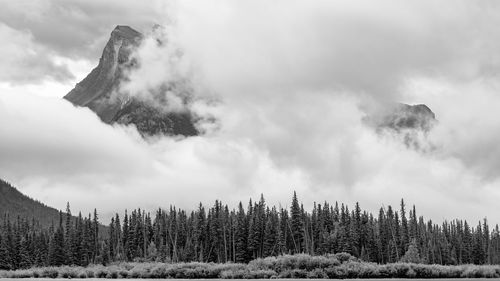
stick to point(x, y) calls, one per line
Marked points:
point(253, 233)
point(95, 236)
point(404, 238)
point(112, 238)
point(270, 234)
point(296, 225)
point(241, 254)
point(477, 248)
point(57, 255)
point(467, 246)
point(125, 242)
point(199, 233)
point(5, 259)
point(68, 236)
point(77, 241)
point(25, 256)
point(280, 238)
point(486, 243)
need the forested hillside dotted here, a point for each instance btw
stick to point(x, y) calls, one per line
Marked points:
point(13, 203)
point(220, 234)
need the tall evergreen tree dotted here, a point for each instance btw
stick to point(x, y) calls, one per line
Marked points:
point(57, 255)
point(241, 236)
point(296, 225)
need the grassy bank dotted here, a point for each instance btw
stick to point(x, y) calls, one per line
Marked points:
point(297, 266)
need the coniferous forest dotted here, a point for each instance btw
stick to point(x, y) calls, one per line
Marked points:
point(219, 234)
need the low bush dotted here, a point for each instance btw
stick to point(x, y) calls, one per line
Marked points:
point(337, 266)
point(50, 273)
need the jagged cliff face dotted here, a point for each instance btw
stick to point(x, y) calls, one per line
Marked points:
point(99, 91)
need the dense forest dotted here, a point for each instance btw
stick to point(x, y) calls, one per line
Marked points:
point(220, 234)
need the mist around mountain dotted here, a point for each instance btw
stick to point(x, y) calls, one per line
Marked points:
point(100, 91)
point(408, 123)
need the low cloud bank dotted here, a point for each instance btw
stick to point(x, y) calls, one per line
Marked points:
point(289, 89)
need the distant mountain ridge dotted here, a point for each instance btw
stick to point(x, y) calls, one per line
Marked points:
point(96, 92)
point(13, 203)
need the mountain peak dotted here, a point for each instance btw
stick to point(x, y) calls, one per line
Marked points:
point(95, 91)
point(410, 123)
point(125, 31)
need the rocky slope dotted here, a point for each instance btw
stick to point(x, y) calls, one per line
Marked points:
point(98, 92)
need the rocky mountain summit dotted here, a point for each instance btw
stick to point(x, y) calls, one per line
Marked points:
point(402, 116)
point(100, 92)
point(410, 123)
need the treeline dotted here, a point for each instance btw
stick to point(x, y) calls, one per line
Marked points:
point(73, 241)
point(219, 234)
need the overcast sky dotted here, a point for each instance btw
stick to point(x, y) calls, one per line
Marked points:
point(293, 80)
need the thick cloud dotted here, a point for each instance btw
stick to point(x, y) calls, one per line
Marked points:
point(25, 61)
point(40, 38)
point(363, 47)
point(91, 164)
point(58, 153)
point(77, 28)
point(292, 86)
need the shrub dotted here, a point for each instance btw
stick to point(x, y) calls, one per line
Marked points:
point(293, 273)
point(112, 275)
point(158, 272)
point(135, 274)
point(344, 257)
point(22, 274)
point(317, 273)
point(100, 272)
point(234, 274)
point(261, 274)
point(50, 273)
point(411, 273)
point(123, 273)
point(338, 266)
point(90, 273)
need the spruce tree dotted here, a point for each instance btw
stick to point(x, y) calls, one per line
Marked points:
point(125, 242)
point(25, 257)
point(404, 234)
point(69, 236)
point(241, 246)
point(57, 255)
point(296, 225)
point(5, 259)
point(95, 236)
point(270, 234)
